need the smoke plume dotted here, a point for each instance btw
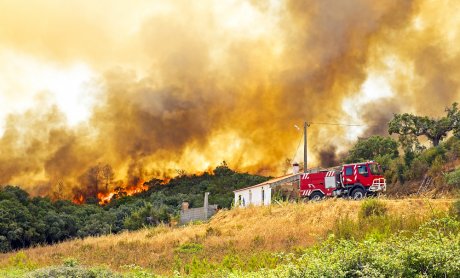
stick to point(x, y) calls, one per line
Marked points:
point(185, 85)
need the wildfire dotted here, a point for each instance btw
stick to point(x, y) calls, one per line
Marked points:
point(78, 199)
point(106, 197)
point(165, 181)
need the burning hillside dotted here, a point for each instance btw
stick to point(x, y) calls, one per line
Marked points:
point(153, 87)
point(105, 198)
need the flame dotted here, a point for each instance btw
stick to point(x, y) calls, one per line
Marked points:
point(78, 199)
point(106, 197)
point(165, 181)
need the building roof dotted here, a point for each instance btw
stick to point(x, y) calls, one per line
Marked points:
point(274, 182)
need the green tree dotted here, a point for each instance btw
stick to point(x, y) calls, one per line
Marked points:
point(373, 148)
point(147, 216)
point(453, 113)
point(410, 127)
point(15, 223)
point(10, 192)
point(223, 170)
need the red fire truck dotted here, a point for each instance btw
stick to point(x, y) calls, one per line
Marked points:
point(351, 180)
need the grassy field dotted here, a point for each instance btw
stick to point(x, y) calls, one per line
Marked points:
point(237, 239)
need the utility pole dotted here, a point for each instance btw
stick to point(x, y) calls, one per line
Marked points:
point(305, 138)
point(305, 151)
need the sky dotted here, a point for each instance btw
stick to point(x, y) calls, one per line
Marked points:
point(151, 88)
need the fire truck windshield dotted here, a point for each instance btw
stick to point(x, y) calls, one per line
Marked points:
point(375, 169)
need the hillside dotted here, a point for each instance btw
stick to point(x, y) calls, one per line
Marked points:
point(27, 220)
point(239, 238)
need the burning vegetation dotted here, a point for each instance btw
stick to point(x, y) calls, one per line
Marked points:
point(105, 198)
point(192, 83)
point(100, 185)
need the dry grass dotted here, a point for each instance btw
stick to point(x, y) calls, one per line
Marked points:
point(245, 231)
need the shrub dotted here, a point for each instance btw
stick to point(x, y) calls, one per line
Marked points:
point(136, 271)
point(189, 248)
point(71, 272)
point(397, 172)
point(372, 207)
point(453, 147)
point(71, 262)
point(428, 253)
point(455, 209)
point(346, 228)
point(375, 227)
point(436, 167)
point(453, 178)
point(432, 154)
point(21, 261)
point(418, 169)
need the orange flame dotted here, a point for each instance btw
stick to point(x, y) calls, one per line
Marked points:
point(106, 197)
point(165, 181)
point(78, 199)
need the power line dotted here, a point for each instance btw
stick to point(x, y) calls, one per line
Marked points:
point(335, 124)
point(307, 124)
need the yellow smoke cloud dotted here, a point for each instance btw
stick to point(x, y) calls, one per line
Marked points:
point(184, 85)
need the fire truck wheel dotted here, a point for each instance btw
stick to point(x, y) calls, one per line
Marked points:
point(316, 196)
point(357, 194)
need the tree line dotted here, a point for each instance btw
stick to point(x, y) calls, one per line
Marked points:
point(27, 221)
point(407, 158)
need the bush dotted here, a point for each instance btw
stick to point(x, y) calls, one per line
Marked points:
point(346, 228)
point(72, 272)
point(190, 248)
point(397, 172)
point(453, 178)
point(71, 262)
point(136, 271)
point(436, 167)
point(418, 169)
point(372, 207)
point(374, 223)
point(428, 253)
point(432, 154)
point(21, 261)
point(452, 146)
point(455, 209)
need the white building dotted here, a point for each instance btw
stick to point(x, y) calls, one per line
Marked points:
point(254, 195)
point(260, 194)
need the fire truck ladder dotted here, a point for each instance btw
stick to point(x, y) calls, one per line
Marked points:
point(427, 180)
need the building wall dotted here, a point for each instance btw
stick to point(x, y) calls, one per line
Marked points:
point(194, 214)
point(253, 196)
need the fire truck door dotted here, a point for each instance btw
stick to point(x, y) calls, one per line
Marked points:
point(348, 177)
point(364, 176)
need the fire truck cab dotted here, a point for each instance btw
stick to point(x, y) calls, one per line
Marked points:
point(354, 180)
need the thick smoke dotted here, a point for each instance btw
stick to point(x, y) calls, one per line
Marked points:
point(328, 157)
point(377, 116)
point(198, 92)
